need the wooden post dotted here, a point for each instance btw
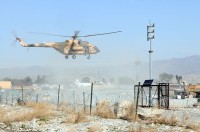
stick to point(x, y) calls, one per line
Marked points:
point(84, 102)
point(58, 97)
point(138, 92)
point(91, 97)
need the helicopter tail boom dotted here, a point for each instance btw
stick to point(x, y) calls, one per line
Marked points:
point(22, 42)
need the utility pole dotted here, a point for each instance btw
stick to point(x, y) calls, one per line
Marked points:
point(150, 36)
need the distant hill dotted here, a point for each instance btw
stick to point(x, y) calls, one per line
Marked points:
point(20, 72)
point(188, 67)
point(180, 66)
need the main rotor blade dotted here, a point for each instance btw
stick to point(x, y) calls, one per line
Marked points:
point(99, 34)
point(50, 34)
point(14, 43)
point(76, 34)
point(14, 33)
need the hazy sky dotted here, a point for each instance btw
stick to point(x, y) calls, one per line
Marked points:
point(177, 29)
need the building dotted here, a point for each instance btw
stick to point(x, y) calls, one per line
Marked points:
point(5, 85)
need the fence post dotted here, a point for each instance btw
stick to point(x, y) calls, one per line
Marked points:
point(37, 98)
point(1, 98)
point(168, 95)
point(135, 93)
point(84, 102)
point(58, 97)
point(6, 98)
point(22, 94)
point(12, 98)
point(138, 92)
point(91, 97)
point(74, 102)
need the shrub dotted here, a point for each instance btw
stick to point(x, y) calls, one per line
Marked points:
point(103, 109)
point(76, 118)
point(39, 110)
point(95, 128)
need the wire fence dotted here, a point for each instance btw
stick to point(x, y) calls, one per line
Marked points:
point(75, 97)
point(81, 97)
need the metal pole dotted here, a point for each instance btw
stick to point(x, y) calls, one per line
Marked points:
point(84, 102)
point(150, 35)
point(58, 97)
point(159, 87)
point(150, 96)
point(167, 95)
point(91, 97)
point(150, 64)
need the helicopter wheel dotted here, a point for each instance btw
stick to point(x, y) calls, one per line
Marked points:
point(66, 57)
point(88, 57)
point(73, 56)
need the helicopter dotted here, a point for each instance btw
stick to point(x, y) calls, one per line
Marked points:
point(71, 47)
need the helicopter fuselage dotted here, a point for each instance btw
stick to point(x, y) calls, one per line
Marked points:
point(69, 47)
point(76, 48)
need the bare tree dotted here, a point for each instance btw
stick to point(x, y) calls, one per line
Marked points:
point(178, 79)
point(165, 77)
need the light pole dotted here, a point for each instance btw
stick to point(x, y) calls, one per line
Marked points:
point(150, 36)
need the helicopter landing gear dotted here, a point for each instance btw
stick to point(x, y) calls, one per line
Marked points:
point(88, 57)
point(66, 57)
point(73, 56)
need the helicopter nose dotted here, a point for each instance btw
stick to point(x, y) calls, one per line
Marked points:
point(97, 50)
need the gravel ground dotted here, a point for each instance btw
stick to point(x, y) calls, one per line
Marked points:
point(188, 121)
point(96, 124)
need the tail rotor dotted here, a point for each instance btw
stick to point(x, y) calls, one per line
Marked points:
point(14, 42)
point(17, 39)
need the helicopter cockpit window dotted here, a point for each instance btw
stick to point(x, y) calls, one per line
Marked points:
point(79, 41)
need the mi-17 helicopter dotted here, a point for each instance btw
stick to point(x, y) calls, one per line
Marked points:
point(71, 47)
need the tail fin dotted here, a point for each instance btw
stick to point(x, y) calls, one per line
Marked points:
point(22, 42)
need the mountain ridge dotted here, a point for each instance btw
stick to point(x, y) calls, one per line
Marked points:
point(188, 67)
